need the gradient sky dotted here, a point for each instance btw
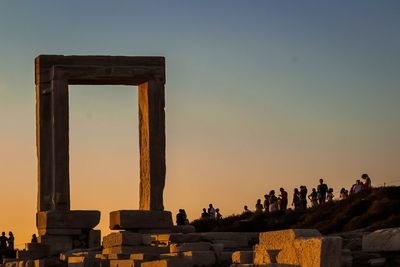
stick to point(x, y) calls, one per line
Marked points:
point(259, 94)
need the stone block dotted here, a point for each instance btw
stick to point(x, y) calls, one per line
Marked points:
point(32, 255)
point(140, 219)
point(242, 257)
point(230, 244)
point(135, 249)
point(73, 219)
point(94, 238)
point(145, 256)
point(200, 246)
point(178, 238)
point(225, 236)
point(382, 240)
point(83, 261)
point(123, 263)
point(122, 239)
point(224, 257)
point(217, 247)
point(116, 256)
point(56, 231)
point(155, 231)
point(276, 239)
point(37, 247)
point(312, 252)
point(171, 262)
point(57, 244)
point(185, 229)
point(199, 258)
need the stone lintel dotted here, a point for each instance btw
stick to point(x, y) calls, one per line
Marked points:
point(44, 63)
point(74, 219)
point(140, 219)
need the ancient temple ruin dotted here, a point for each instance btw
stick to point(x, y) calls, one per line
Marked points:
point(53, 74)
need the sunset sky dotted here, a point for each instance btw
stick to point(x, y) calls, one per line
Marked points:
point(259, 94)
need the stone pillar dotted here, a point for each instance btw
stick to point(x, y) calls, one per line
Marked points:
point(44, 145)
point(152, 144)
point(60, 139)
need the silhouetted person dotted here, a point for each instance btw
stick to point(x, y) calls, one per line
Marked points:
point(185, 216)
point(259, 206)
point(296, 199)
point(218, 214)
point(180, 217)
point(273, 201)
point(211, 211)
point(357, 187)
point(10, 240)
point(322, 189)
point(344, 193)
point(367, 182)
point(313, 197)
point(3, 241)
point(284, 199)
point(205, 214)
point(303, 196)
point(246, 209)
point(34, 239)
point(330, 195)
point(266, 203)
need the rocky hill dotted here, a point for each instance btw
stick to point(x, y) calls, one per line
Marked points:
point(369, 211)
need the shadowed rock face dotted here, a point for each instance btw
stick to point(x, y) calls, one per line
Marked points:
point(53, 74)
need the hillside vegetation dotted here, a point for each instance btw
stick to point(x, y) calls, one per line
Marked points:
point(372, 210)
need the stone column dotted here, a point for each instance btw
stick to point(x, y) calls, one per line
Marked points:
point(44, 146)
point(152, 144)
point(60, 140)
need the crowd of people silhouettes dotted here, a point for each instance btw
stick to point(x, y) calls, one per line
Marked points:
point(302, 199)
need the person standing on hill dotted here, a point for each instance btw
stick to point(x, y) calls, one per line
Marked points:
point(284, 199)
point(211, 211)
point(322, 189)
point(367, 183)
point(180, 217)
point(296, 199)
point(313, 197)
point(11, 240)
point(266, 203)
point(273, 201)
point(303, 196)
point(3, 241)
point(259, 206)
point(204, 214)
point(330, 195)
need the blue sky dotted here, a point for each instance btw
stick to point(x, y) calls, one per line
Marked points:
point(260, 94)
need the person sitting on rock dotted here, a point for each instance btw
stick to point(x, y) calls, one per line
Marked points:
point(313, 197)
point(246, 209)
point(3, 241)
point(218, 214)
point(34, 239)
point(211, 211)
point(10, 240)
point(204, 214)
point(180, 217)
point(259, 206)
